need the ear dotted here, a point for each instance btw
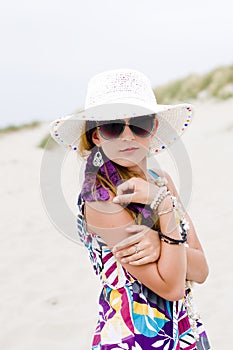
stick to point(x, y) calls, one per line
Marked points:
point(95, 138)
point(156, 124)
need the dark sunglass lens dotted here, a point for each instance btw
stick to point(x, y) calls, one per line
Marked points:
point(143, 126)
point(111, 130)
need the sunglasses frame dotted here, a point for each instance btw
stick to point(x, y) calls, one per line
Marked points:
point(129, 124)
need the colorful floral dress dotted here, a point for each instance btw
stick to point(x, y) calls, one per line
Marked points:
point(131, 316)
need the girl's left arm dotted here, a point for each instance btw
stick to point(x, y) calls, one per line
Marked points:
point(197, 268)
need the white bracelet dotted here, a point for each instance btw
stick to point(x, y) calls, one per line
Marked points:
point(162, 198)
point(165, 211)
point(162, 193)
point(158, 194)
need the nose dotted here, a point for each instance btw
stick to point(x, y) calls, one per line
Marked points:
point(127, 134)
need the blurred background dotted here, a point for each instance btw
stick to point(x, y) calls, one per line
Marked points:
point(49, 51)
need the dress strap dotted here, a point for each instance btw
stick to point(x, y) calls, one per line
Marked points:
point(153, 173)
point(80, 204)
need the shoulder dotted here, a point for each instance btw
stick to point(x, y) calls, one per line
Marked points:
point(108, 220)
point(106, 214)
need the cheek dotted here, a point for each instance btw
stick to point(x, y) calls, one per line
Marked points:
point(144, 144)
point(109, 148)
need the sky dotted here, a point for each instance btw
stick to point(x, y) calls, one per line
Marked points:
point(51, 48)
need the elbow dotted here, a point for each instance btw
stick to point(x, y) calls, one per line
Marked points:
point(203, 275)
point(174, 293)
point(198, 271)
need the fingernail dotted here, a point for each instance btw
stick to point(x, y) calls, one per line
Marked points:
point(123, 260)
point(116, 200)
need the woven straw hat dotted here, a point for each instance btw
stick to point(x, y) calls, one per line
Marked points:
point(118, 94)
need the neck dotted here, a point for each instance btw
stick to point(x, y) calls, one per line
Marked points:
point(140, 168)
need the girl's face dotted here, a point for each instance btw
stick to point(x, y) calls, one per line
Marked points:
point(128, 149)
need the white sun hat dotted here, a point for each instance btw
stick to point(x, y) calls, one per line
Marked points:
point(118, 94)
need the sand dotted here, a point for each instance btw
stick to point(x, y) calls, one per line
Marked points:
point(49, 291)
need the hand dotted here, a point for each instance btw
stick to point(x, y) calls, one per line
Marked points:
point(141, 248)
point(136, 190)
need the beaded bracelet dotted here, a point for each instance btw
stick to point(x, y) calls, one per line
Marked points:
point(162, 193)
point(158, 194)
point(165, 211)
point(171, 240)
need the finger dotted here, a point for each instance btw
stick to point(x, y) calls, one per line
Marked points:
point(127, 245)
point(133, 257)
point(143, 261)
point(140, 258)
point(129, 241)
point(130, 251)
point(138, 234)
point(124, 198)
point(125, 186)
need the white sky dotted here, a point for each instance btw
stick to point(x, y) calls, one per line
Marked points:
point(50, 48)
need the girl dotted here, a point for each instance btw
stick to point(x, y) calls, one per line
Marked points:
point(140, 240)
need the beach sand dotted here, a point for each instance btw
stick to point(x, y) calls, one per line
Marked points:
point(49, 291)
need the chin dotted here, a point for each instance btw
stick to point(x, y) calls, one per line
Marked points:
point(126, 162)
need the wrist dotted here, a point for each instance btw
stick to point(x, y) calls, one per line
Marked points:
point(172, 239)
point(165, 204)
point(160, 195)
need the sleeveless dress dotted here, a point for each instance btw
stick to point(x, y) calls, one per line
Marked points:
point(131, 316)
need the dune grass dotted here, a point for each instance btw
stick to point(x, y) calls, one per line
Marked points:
point(14, 128)
point(44, 143)
point(216, 84)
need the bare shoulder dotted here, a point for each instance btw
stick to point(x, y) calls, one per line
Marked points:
point(108, 220)
point(171, 186)
point(161, 172)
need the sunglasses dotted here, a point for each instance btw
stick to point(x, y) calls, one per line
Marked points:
point(142, 126)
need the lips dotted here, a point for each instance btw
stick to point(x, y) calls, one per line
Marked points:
point(129, 149)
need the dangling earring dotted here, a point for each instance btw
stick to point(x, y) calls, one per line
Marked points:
point(98, 159)
point(150, 152)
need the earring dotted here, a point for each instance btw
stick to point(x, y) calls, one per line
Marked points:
point(150, 152)
point(98, 159)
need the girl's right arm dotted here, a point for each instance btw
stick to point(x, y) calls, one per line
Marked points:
point(166, 276)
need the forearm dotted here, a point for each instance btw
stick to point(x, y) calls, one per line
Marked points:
point(172, 267)
point(107, 227)
point(197, 268)
point(172, 264)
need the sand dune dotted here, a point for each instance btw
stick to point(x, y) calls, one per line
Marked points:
point(48, 289)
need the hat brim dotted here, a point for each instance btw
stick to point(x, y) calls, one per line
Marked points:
point(173, 120)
